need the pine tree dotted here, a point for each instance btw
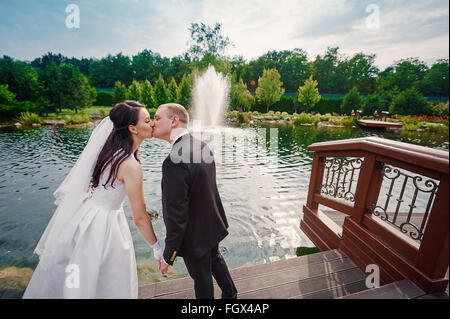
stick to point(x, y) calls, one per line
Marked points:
point(160, 92)
point(147, 94)
point(119, 92)
point(134, 91)
point(172, 90)
point(185, 91)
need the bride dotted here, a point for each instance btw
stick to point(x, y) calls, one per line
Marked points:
point(87, 250)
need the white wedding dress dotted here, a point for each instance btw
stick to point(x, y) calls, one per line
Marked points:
point(91, 255)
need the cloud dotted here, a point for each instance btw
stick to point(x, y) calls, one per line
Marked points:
point(407, 28)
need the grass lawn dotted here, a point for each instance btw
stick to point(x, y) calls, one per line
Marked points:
point(102, 110)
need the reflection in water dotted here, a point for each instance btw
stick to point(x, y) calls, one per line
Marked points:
point(262, 193)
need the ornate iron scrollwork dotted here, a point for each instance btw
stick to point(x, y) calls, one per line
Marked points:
point(340, 176)
point(429, 186)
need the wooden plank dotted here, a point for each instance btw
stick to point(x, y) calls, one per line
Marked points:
point(436, 295)
point(360, 255)
point(305, 286)
point(404, 289)
point(175, 285)
point(333, 203)
point(336, 291)
point(357, 237)
point(275, 277)
point(391, 234)
point(270, 279)
point(313, 236)
point(386, 256)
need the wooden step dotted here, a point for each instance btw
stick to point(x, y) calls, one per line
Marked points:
point(327, 274)
point(403, 289)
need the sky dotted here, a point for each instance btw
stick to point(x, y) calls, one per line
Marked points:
point(390, 29)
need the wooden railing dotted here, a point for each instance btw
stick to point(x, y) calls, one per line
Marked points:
point(396, 198)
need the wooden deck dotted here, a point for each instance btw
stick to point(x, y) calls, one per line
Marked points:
point(325, 275)
point(379, 124)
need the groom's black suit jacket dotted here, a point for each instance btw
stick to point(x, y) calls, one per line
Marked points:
point(193, 213)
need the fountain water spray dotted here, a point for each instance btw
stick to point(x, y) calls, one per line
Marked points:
point(211, 96)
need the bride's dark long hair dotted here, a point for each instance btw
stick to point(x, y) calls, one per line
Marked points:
point(119, 144)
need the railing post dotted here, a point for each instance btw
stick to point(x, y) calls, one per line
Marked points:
point(315, 180)
point(432, 258)
point(368, 188)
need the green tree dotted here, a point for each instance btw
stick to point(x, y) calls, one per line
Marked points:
point(6, 96)
point(240, 96)
point(106, 71)
point(408, 102)
point(134, 91)
point(51, 95)
point(403, 75)
point(361, 72)
point(23, 80)
point(185, 91)
point(352, 101)
point(147, 94)
point(119, 92)
point(308, 94)
point(269, 88)
point(75, 90)
point(435, 81)
point(172, 90)
point(160, 92)
point(373, 103)
point(207, 40)
point(325, 71)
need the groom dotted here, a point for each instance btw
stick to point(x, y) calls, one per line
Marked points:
point(193, 214)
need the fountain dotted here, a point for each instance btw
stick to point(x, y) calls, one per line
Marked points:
point(210, 97)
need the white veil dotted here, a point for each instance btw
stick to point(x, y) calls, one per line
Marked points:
point(72, 192)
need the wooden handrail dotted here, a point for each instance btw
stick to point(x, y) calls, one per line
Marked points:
point(366, 239)
point(436, 160)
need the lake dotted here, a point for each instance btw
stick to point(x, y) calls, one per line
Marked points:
point(262, 189)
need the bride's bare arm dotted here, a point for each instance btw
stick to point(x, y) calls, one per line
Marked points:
point(131, 173)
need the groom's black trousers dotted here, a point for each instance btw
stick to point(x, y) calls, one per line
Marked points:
point(201, 269)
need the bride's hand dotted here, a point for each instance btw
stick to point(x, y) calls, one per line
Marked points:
point(157, 250)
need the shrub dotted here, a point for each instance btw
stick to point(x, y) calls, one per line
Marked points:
point(243, 118)
point(410, 101)
point(348, 121)
point(104, 98)
point(437, 109)
point(301, 251)
point(328, 105)
point(77, 118)
point(352, 101)
point(6, 96)
point(13, 110)
point(152, 111)
point(410, 127)
point(104, 113)
point(304, 118)
point(373, 103)
point(28, 118)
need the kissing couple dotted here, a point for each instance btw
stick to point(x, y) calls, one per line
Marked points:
point(86, 250)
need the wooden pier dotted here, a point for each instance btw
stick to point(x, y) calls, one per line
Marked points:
point(357, 229)
point(378, 124)
point(326, 275)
